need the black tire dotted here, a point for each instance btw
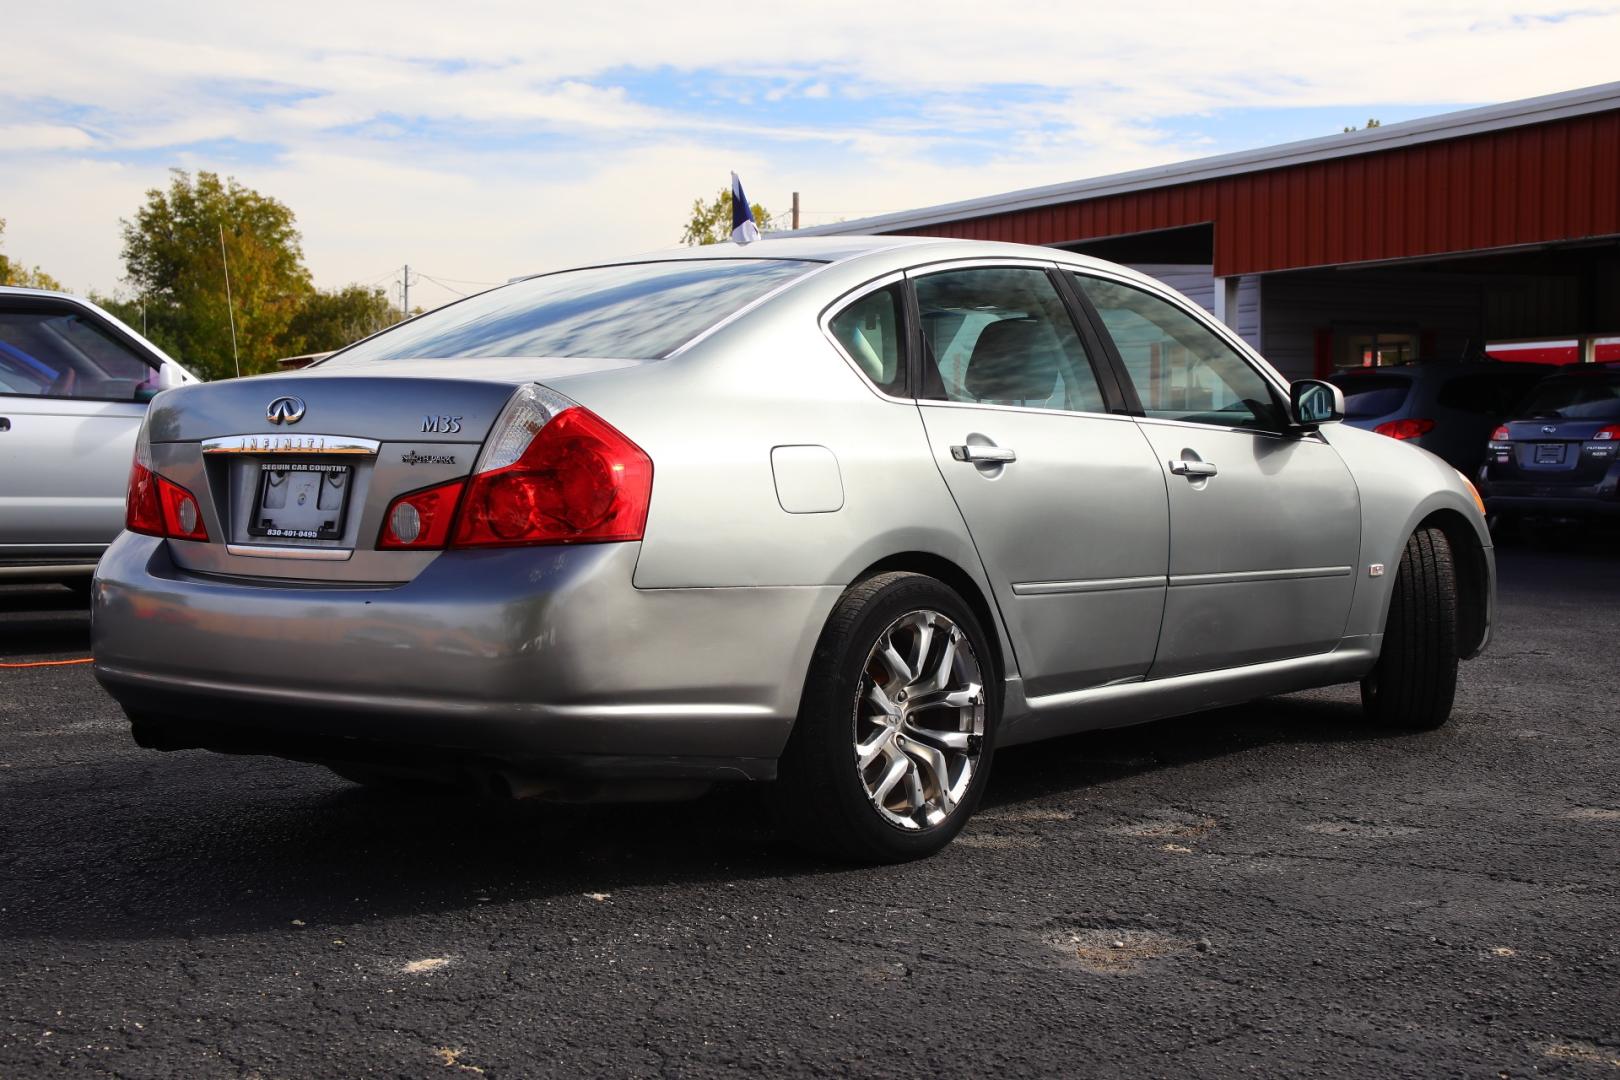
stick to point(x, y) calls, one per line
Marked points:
point(1413, 685)
point(819, 798)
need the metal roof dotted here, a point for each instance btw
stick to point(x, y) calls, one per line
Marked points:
point(1453, 125)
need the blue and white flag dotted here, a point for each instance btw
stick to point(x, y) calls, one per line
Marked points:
point(743, 229)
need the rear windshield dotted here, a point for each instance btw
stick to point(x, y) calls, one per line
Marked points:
point(1366, 396)
point(642, 311)
point(1575, 397)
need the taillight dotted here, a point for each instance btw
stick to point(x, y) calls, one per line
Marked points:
point(1604, 434)
point(421, 519)
point(1405, 429)
point(578, 481)
point(551, 472)
point(157, 506)
point(1501, 434)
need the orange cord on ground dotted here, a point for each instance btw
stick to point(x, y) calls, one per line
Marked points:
point(47, 663)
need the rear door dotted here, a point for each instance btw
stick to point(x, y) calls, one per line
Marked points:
point(72, 395)
point(1063, 498)
point(1265, 527)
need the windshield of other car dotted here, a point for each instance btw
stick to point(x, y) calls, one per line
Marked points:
point(1366, 396)
point(641, 311)
point(1576, 397)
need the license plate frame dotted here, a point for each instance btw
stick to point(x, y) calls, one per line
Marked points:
point(1550, 453)
point(281, 482)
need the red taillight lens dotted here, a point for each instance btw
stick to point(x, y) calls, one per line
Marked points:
point(158, 507)
point(1501, 434)
point(182, 517)
point(578, 481)
point(1604, 434)
point(421, 519)
point(1405, 429)
point(143, 512)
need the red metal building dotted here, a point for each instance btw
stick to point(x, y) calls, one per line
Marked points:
point(1426, 240)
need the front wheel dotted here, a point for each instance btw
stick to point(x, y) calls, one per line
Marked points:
point(1413, 685)
point(895, 732)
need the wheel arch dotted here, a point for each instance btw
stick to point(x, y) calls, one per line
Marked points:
point(962, 583)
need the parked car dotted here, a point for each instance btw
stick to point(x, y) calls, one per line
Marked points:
point(74, 387)
point(1449, 409)
point(1557, 456)
point(845, 515)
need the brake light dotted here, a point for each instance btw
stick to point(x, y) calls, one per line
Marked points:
point(579, 480)
point(157, 506)
point(1501, 434)
point(1405, 429)
point(1604, 434)
point(421, 519)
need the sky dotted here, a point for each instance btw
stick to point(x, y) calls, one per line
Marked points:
point(481, 140)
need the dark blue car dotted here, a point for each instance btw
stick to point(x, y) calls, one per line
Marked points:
point(1560, 456)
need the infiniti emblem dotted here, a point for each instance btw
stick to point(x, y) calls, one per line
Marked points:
point(1549, 429)
point(285, 410)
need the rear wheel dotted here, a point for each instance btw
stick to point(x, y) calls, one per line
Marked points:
point(894, 737)
point(1416, 677)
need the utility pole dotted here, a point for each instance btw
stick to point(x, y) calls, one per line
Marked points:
point(795, 209)
point(405, 294)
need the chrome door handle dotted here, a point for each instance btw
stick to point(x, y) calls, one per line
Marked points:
point(980, 455)
point(1193, 468)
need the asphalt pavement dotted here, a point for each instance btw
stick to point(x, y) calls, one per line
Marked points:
point(1271, 889)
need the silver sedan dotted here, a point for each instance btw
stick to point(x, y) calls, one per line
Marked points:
point(843, 515)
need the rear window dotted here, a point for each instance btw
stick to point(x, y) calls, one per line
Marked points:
point(1575, 397)
point(1366, 396)
point(642, 311)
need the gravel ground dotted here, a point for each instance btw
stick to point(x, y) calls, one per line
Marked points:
point(1267, 889)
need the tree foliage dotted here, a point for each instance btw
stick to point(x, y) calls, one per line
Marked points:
point(332, 318)
point(711, 221)
point(172, 259)
point(15, 273)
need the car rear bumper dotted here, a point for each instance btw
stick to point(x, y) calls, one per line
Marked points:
point(544, 658)
point(1579, 500)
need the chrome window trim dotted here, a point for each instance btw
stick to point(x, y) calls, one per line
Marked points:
point(282, 443)
point(1026, 409)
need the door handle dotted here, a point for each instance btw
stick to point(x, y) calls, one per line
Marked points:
point(1193, 468)
point(981, 455)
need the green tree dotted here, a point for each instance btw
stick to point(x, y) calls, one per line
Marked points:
point(172, 259)
point(711, 221)
point(332, 318)
point(15, 273)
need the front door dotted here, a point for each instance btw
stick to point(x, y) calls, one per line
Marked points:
point(1064, 500)
point(1265, 526)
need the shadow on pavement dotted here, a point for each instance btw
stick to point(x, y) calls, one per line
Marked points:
point(144, 846)
point(42, 619)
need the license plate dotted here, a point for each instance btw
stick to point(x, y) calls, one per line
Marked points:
point(1549, 453)
point(300, 500)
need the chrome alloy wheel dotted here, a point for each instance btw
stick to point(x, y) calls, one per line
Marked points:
point(919, 720)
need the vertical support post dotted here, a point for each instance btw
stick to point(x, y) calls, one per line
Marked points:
point(1226, 300)
point(795, 209)
point(405, 294)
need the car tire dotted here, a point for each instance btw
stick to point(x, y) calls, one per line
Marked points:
point(1415, 680)
point(927, 737)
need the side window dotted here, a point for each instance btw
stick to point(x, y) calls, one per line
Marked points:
point(1002, 336)
point(1180, 368)
point(63, 354)
point(872, 331)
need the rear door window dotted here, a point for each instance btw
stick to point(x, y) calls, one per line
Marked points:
point(61, 353)
point(1002, 336)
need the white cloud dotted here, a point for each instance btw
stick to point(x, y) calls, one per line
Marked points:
point(497, 138)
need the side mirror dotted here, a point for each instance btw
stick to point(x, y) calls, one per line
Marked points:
point(1312, 402)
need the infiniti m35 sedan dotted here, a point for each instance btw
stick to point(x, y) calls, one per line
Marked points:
point(843, 515)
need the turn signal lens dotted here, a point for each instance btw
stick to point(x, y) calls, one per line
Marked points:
point(1405, 429)
point(1501, 434)
point(419, 520)
point(578, 481)
point(1604, 434)
point(143, 513)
